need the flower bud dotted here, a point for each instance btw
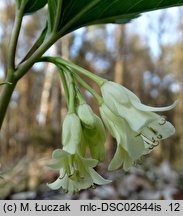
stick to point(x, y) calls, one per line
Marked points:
point(86, 115)
point(71, 133)
point(95, 138)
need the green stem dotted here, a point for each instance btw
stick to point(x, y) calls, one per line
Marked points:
point(14, 37)
point(36, 45)
point(87, 87)
point(7, 90)
point(5, 83)
point(25, 66)
point(100, 81)
point(64, 82)
point(80, 97)
point(6, 95)
point(72, 94)
point(58, 14)
point(22, 69)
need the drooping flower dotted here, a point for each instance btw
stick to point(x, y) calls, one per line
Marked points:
point(71, 133)
point(86, 115)
point(136, 128)
point(93, 132)
point(76, 172)
point(126, 104)
point(130, 146)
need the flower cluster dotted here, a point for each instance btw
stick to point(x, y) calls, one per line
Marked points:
point(80, 130)
point(135, 126)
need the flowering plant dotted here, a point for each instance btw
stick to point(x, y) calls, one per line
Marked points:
point(135, 126)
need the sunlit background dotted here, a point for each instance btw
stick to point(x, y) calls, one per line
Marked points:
point(145, 56)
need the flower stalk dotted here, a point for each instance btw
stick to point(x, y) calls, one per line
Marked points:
point(100, 81)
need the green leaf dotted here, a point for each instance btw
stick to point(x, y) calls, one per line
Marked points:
point(32, 5)
point(79, 13)
point(52, 7)
point(54, 14)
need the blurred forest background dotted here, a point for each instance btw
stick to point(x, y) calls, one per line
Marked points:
point(145, 56)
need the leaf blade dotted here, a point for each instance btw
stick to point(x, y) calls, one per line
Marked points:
point(106, 11)
point(32, 5)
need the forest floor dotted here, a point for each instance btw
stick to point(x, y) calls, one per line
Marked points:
point(145, 182)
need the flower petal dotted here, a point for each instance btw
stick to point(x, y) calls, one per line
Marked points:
point(113, 92)
point(95, 138)
point(133, 144)
point(59, 153)
point(117, 159)
point(56, 165)
point(89, 161)
point(121, 158)
point(86, 115)
point(143, 107)
point(56, 184)
point(98, 179)
point(136, 118)
point(71, 133)
point(164, 129)
point(135, 101)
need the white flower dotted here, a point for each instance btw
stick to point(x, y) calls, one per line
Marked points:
point(86, 115)
point(126, 104)
point(130, 146)
point(71, 133)
point(76, 172)
point(136, 128)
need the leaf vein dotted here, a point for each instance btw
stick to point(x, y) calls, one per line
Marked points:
point(130, 8)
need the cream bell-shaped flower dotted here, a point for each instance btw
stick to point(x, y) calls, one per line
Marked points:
point(130, 146)
point(86, 115)
point(71, 133)
point(76, 172)
point(93, 132)
point(126, 104)
point(141, 129)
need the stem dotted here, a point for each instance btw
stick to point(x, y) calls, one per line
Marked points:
point(14, 37)
point(36, 45)
point(72, 94)
point(80, 97)
point(87, 87)
point(83, 71)
point(22, 69)
point(14, 76)
point(25, 66)
point(57, 18)
point(64, 82)
point(100, 81)
point(7, 90)
point(6, 95)
point(5, 83)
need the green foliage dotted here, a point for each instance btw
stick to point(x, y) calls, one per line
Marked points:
point(78, 13)
point(52, 8)
point(35, 5)
point(32, 5)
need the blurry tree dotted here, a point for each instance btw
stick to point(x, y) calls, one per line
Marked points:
point(120, 47)
point(178, 71)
